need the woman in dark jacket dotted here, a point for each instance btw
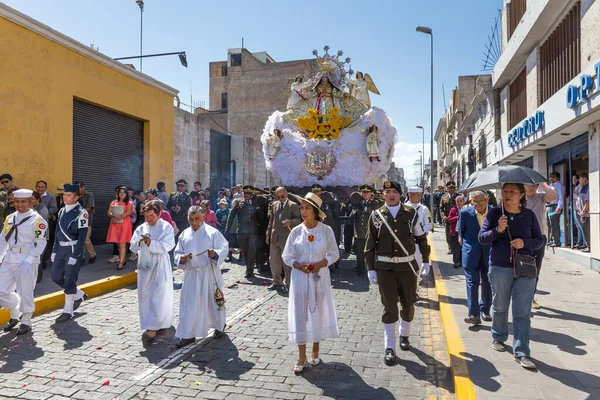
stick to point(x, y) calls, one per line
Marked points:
point(526, 237)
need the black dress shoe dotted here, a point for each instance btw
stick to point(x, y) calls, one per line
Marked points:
point(249, 275)
point(23, 329)
point(77, 303)
point(390, 357)
point(473, 320)
point(92, 260)
point(10, 324)
point(404, 343)
point(486, 317)
point(184, 342)
point(217, 333)
point(64, 317)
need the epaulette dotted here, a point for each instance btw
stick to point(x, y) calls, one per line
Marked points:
point(445, 197)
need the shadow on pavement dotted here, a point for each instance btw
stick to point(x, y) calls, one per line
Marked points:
point(220, 357)
point(433, 371)
point(485, 372)
point(579, 380)
point(70, 332)
point(161, 347)
point(567, 316)
point(15, 350)
point(349, 384)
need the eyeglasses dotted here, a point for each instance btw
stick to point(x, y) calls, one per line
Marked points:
point(282, 197)
point(4, 182)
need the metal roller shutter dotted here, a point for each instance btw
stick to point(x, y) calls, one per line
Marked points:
point(108, 151)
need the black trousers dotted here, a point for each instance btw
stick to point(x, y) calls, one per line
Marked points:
point(448, 237)
point(247, 244)
point(348, 236)
point(456, 251)
point(539, 256)
point(393, 285)
point(359, 250)
point(262, 251)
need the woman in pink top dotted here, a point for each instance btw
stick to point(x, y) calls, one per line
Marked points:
point(209, 215)
point(119, 230)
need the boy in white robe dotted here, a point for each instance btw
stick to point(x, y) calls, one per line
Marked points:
point(201, 250)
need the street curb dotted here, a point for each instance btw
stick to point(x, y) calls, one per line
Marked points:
point(463, 386)
point(56, 300)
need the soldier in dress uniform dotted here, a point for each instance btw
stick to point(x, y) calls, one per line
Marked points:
point(178, 205)
point(360, 216)
point(6, 184)
point(22, 242)
point(392, 237)
point(448, 201)
point(67, 253)
point(248, 213)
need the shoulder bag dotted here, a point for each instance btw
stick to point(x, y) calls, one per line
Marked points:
point(523, 265)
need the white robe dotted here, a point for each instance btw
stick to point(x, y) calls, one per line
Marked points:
point(198, 311)
point(311, 311)
point(155, 285)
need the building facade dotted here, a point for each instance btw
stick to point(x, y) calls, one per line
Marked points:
point(248, 88)
point(547, 80)
point(71, 113)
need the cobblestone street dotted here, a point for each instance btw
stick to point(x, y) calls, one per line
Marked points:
point(99, 354)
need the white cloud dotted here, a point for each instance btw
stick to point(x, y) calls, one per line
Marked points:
point(405, 156)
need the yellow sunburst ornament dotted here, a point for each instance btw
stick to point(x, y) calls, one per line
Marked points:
point(323, 126)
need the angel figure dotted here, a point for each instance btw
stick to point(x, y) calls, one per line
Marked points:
point(274, 143)
point(373, 143)
point(360, 87)
point(294, 90)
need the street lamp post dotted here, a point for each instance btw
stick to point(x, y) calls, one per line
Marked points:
point(428, 31)
point(140, 3)
point(421, 163)
point(422, 166)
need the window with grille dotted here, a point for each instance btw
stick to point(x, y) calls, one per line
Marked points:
point(482, 151)
point(517, 100)
point(560, 55)
point(516, 10)
point(223, 101)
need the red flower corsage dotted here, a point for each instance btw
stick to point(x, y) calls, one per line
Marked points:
point(310, 267)
point(311, 238)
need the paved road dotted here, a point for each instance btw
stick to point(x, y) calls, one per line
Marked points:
point(565, 335)
point(99, 354)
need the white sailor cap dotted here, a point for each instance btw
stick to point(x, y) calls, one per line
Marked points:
point(22, 194)
point(414, 189)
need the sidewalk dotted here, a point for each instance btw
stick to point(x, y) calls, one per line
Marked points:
point(565, 335)
point(88, 273)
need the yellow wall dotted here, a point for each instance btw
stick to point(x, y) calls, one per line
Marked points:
point(38, 81)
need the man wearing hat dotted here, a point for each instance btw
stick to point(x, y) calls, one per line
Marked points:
point(178, 205)
point(6, 184)
point(22, 242)
point(360, 215)
point(424, 225)
point(448, 201)
point(392, 237)
point(247, 212)
point(71, 232)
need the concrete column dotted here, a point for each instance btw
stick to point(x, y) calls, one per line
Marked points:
point(594, 174)
point(540, 162)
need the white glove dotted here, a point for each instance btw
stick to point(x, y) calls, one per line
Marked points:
point(52, 257)
point(373, 277)
point(72, 261)
point(425, 269)
point(25, 267)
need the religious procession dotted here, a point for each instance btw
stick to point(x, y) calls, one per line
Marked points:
point(272, 244)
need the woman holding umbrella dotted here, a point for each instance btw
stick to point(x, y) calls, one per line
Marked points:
point(505, 228)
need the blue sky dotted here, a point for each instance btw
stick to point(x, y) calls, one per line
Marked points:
point(379, 36)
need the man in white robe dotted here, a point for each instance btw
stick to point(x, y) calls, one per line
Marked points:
point(201, 250)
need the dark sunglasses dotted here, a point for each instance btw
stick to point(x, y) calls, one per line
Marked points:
point(4, 181)
point(281, 197)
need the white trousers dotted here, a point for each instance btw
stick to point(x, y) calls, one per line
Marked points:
point(11, 280)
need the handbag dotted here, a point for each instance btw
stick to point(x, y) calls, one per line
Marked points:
point(523, 265)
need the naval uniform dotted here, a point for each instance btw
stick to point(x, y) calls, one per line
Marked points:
point(22, 242)
point(422, 227)
point(70, 236)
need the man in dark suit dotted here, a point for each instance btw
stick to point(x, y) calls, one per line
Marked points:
point(284, 215)
point(248, 213)
point(475, 258)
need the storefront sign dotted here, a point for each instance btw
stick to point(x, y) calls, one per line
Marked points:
point(526, 129)
point(576, 95)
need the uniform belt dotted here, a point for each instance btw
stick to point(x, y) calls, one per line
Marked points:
point(20, 250)
point(70, 243)
point(396, 260)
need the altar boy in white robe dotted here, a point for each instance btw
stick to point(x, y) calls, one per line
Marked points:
point(201, 250)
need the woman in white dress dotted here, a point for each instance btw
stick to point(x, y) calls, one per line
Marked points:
point(155, 283)
point(311, 248)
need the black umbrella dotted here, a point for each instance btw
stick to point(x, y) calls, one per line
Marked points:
point(495, 176)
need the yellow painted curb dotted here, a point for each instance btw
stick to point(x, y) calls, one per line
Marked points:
point(57, 299)
point(463, 387)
